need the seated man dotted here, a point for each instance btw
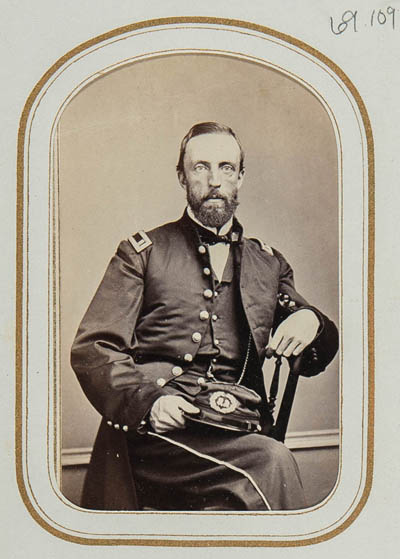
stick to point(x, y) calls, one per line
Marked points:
point(171, 349)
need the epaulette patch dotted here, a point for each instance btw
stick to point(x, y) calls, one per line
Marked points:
point(140, 241)
point(264, 246)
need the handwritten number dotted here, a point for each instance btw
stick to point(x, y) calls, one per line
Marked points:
point(381, 17)
point(347, 16)
point(341, 27)
point(391, 12)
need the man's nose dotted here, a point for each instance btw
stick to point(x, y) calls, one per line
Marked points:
point(214, 178)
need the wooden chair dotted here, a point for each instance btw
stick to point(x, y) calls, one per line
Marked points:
point(279, 428)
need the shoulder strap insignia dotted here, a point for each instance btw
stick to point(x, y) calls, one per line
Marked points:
point(264, 246)
point(140, 241)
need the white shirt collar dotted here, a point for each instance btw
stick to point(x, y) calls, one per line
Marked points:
point(224, 229)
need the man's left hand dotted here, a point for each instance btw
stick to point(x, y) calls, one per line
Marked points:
point(294, 334)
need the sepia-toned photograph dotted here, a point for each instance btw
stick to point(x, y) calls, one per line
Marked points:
point(199, 289)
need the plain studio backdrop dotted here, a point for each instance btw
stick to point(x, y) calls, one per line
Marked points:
point(118, 147)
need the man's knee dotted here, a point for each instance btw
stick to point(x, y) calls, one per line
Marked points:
point(272, 452)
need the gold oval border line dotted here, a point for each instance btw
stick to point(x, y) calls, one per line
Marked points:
point(19, 286)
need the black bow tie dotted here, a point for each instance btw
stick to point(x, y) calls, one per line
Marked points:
point(210, 238)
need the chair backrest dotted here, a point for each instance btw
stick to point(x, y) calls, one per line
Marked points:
point(279, 428)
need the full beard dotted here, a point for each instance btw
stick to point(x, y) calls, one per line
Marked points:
point(210, 215)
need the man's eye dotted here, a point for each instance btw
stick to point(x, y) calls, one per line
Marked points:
point(227, 169)
point(200, 168)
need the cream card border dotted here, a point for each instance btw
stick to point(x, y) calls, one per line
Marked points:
point(37, 353)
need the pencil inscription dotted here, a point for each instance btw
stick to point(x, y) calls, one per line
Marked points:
point(354, 21)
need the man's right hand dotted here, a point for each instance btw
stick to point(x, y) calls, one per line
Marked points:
point(167, 413)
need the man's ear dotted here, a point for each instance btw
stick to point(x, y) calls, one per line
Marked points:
point(241, 177)
point(182, 179)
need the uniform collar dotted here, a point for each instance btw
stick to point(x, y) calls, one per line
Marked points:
point(189, 227)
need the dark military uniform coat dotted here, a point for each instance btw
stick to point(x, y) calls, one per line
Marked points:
point(148, 303)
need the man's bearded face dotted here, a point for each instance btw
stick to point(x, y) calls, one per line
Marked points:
point(212, 177)
point(214, 209)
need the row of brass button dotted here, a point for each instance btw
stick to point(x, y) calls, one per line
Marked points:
point(117, 426)
point(196, 336)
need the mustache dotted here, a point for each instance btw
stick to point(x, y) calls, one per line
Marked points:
point(214, 196)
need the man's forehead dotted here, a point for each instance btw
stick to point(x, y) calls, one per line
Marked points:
point(213, 146)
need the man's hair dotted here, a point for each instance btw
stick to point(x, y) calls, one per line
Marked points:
point(207, 128)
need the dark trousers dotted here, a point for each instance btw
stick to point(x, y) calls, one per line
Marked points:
point(208, 468)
